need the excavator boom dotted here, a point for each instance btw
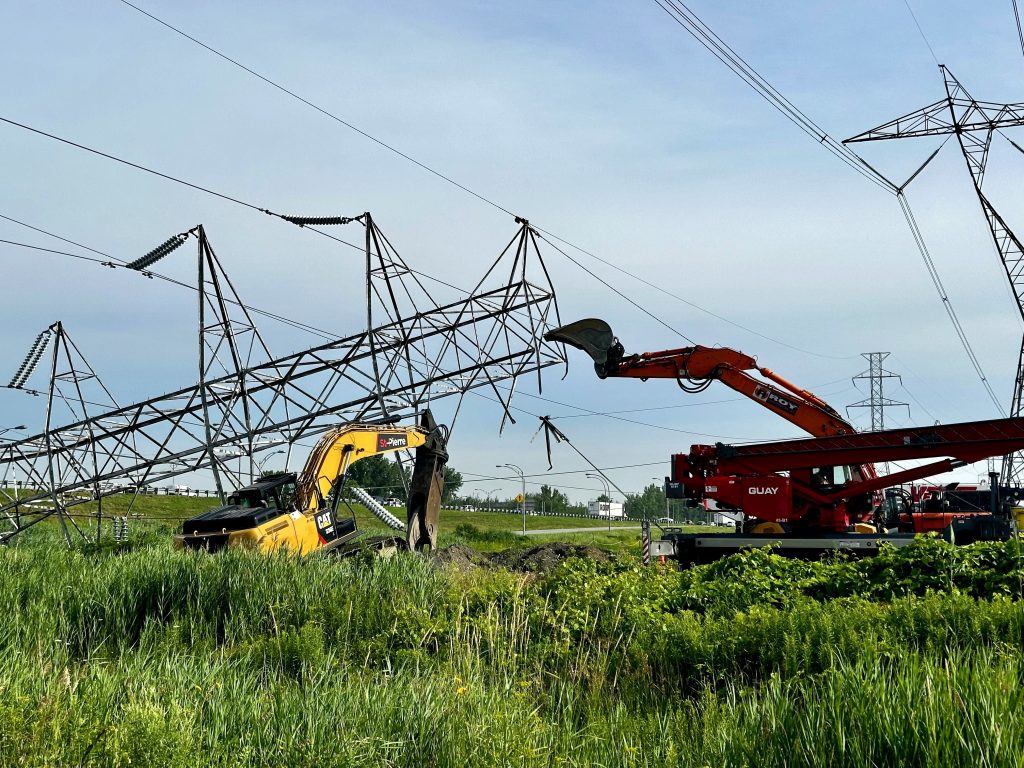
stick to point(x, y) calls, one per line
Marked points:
point(694, 368)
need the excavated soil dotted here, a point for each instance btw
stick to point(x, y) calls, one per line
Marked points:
point(458, 556)
point(539, 559)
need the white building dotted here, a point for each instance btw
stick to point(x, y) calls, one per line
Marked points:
point(612, 509)
point(723, 517)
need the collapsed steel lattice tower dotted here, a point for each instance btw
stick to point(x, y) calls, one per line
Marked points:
point(973, 123)
point(414, 350)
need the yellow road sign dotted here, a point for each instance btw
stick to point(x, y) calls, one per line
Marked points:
point(519, 498)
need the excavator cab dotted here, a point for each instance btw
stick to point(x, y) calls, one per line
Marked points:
point(265, 508)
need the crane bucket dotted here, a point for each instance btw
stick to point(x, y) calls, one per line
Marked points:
point(592, 335)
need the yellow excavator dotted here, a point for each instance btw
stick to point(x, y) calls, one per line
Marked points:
point(302, 513)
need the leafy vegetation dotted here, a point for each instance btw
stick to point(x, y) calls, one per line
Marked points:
point(142, 655)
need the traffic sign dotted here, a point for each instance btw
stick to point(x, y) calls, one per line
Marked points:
point(519, 498)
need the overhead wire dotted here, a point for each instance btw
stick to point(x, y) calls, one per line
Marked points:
point(611, 415)
point(678, 11)
point(687, 19)
point(201, 188)
point(617, 292)
point(483, 198)
point(703, 34)
point(946, 303)
point(923, 36)
point(108, 261)
point(687, 302)
point(489, 478)
point(1020, 31)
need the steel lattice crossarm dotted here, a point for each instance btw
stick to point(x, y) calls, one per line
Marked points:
point(959, 113)
point(946, 116)
point(389, 372)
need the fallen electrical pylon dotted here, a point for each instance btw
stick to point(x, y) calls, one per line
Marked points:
point(413, 350)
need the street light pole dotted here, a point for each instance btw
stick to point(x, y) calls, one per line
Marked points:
point(490, 498)
point(667, 513)
point(608, 495)
point(522, 477)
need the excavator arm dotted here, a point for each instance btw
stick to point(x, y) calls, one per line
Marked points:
point(298, 513)
point(694, 368)
point(338, 449)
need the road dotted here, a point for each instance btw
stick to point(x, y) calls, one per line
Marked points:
point(596, 529)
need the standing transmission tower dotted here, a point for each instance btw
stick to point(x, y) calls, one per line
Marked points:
point(877, 402)
point(973, 123)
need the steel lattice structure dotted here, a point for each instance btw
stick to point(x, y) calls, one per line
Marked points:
point(973, 123)
point(876, 401)
point(413, 351)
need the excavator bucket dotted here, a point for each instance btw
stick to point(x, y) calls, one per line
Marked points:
point(593, 336)
point(426, 487)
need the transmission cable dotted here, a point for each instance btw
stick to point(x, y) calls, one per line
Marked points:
point(924, 37)
point(121, 263)
point(477, 195)
point(677, 297)
point(765, 89)
point(612, 415)
point(323, 111)
point(946, 303)
point(696, 28)
point(722, 51)
point(1020, 31)
point(485, 478)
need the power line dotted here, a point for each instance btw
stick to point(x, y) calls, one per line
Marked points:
point(776, 99)
point(605, 415)
point(678, 298)
point(679, 405)
point(489, 478)
point(1020, 32)
point(703, 34)
point(489, 201)
point(109, 262)
point(617, 292)
point(697, 29)
point(261, 209)
point(933, 273)
point(923, 37)
point(321, 110)
point(290, 219)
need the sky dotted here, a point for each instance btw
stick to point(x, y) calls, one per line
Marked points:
point(603, 122)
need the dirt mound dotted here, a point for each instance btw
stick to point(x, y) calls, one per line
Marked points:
point(540, 559)
point(458, 556)
point(545, 557)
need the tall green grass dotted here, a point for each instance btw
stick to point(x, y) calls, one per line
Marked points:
point(146, 656)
